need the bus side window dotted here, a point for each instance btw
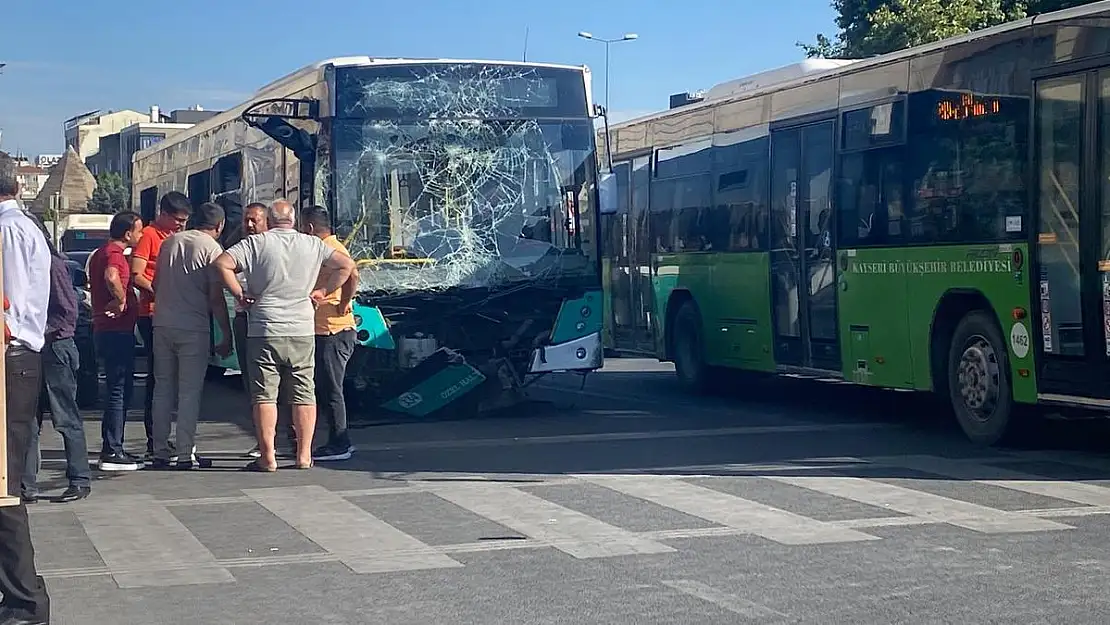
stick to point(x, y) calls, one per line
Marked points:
point(227, 173)
point(968, 172)
point(148, 203)
point(740, 191)
point(870, 194)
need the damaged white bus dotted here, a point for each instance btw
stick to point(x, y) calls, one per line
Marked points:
point(465, 190)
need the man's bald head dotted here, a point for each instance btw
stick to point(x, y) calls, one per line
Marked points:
point(282, 215)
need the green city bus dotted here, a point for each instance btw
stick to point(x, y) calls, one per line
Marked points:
point(935, 219)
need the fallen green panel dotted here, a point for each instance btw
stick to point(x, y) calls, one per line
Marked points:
point(442, 388)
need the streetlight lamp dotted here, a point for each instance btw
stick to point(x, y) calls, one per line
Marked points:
point(608, 42)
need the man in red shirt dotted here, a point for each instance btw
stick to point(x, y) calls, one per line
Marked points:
point(114, 311)
point(173, 214)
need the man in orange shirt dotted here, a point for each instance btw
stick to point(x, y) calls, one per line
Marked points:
point(335, 341)
point(173, 214)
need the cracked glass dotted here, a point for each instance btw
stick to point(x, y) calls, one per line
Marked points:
point(464, 176)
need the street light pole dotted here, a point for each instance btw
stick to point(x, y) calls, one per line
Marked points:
point(608, 42)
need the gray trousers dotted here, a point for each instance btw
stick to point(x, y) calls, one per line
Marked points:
point(180, 365)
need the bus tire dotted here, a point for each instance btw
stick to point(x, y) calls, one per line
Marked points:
point(979, 379)
point(693, 373)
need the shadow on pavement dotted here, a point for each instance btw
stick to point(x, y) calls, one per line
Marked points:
point(642, 422)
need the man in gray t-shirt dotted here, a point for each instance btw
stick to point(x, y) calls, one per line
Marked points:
point(281, 267)
point(182, 338)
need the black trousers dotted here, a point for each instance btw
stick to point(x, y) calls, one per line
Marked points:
point(23, 590)
point(333, 352)
point(146, 331)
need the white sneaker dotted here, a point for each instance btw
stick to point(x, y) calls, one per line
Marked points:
point(117, 463)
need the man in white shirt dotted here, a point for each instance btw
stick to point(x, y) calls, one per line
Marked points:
point(26, 271)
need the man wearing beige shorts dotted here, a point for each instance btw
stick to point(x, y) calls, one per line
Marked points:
point(281, 267)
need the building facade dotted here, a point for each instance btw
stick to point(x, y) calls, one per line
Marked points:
point(108, 157)
point(31, 180)
point(83, 132)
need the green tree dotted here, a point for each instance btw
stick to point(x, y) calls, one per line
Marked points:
point(871, 27)
point(110, 196)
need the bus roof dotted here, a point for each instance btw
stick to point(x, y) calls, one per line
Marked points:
point(851, 66)
point(358, 61)
point(282, 85)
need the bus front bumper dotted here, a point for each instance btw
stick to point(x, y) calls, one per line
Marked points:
point(577, 355)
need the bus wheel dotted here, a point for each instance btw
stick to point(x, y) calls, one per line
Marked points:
point(978, 379)
point(689, 353)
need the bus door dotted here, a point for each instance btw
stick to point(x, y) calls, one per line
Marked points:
point(803, 267)
point(630, 278)
point(1071, 287)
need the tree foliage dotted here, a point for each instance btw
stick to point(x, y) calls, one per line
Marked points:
point(110, 196)
point(870, 27)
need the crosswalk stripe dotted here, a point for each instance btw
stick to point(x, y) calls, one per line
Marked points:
point(363, 542)
point(1076, 492)
point(135, 533)
point(569, 531)
point(728, 510)
point(916, 503)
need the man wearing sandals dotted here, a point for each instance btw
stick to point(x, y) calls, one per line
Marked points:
point(281, 267)
point(254, 222)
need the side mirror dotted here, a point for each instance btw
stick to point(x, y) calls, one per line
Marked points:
point(607, 193)
point(80, 279)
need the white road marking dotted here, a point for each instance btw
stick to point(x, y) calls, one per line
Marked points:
point(135, 532)
point(363, 542)
point(158, 568)
point(569, 531)
point(728, 510)
point(712, 470)
point(726, 601)
point(1075, 492)
point(916, 503)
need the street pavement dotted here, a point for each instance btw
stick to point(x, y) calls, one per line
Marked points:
point(622, 502)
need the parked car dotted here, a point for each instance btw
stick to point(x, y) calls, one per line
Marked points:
point(88, 378)
point(81, 257)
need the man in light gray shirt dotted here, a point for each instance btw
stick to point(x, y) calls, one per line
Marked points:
point(281, 267)
point(187, 292)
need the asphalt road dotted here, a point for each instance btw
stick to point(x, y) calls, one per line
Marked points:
point(626, 503)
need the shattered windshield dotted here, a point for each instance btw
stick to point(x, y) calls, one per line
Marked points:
point(451, 200)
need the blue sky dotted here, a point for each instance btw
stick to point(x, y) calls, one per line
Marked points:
point(65, 58)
